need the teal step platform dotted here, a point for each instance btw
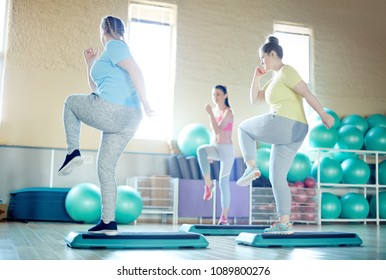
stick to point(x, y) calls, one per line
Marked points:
point(136, 240)
point(222, 230)
point(299, 239)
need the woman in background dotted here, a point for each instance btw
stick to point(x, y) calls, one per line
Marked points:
point(221, 148)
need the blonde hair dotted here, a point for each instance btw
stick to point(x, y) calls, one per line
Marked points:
point(113, 26)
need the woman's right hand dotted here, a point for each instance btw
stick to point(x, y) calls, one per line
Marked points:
point(90, 55)
point(260, 71)
point(208, 109)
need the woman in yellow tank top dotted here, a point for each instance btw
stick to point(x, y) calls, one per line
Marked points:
point(285, 127)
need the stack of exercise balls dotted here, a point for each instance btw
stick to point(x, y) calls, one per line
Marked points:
point(83, 204)
point(352, 132)
point(350, 205)
point(382, 195)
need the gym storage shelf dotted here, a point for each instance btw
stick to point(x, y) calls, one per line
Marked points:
point(371, 189)
point(263, 207)
point(159, 195)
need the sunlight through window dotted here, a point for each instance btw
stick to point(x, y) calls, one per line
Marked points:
point(3, 29)
point(151, 41)
point(295, 41)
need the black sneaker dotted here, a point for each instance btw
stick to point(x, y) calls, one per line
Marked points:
point(108, 229)
point(72, 160)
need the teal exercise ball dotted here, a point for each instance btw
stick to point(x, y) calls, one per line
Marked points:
point(376, 120)
point(129, 205)
point(382, 173)
point(262, 158)
point(381, 206)
point(330, 170)
point(356, 120)
point(354, 206)
point(321, 137)
point(331, 206)
point(191, 137)
point(375, 139)
point(300, 168)
point(333, 114)
point(83, 203)
point(355, 171)
point(350, 137)
point(261, 144)
point(341, 156)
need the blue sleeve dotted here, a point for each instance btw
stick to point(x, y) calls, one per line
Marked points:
point(117, 51)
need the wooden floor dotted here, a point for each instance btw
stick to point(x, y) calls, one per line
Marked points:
point(45, 241)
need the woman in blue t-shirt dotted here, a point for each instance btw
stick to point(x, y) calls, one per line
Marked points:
point(114, 107)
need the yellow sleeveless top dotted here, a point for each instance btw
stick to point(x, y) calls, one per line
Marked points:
point(279, 95)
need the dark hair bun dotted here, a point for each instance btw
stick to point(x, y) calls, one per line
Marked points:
point(273, 40)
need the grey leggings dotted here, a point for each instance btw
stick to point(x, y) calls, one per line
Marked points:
point(225, 154)
point(286, 137)
point(117, 124)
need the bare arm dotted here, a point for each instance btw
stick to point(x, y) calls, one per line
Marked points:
point(256, 95)
point(302, 89)
point(213, 123)
point(130, 65)
point(90, 55)
point(212, 119)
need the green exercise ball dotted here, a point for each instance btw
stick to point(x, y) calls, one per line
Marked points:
point(354, 206)
point(261, 144)
point(83, 203)
point(341, 156)
point(382, 173)
point(331, 206)
point(376, 120)
point(381, 207)
point(321, 137)
point(350, 137)
point(330, 170)
point(262, 158)
point(375, 139)
point(300, 168)
point(129, 205)
point(191, 137)
point(357, 121)
point(355, 171)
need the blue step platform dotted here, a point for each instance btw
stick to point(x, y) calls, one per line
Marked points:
point(222, 229)
point(39, 204)
point(299, 239)
point(136, 240)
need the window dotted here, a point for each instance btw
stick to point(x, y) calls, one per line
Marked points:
point(152, 43)
point(295, 41)
point(3, 33)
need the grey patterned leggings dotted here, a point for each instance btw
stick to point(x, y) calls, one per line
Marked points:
point(117, 124)
point(286, 137)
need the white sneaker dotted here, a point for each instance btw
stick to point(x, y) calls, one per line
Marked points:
point(250, 174)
